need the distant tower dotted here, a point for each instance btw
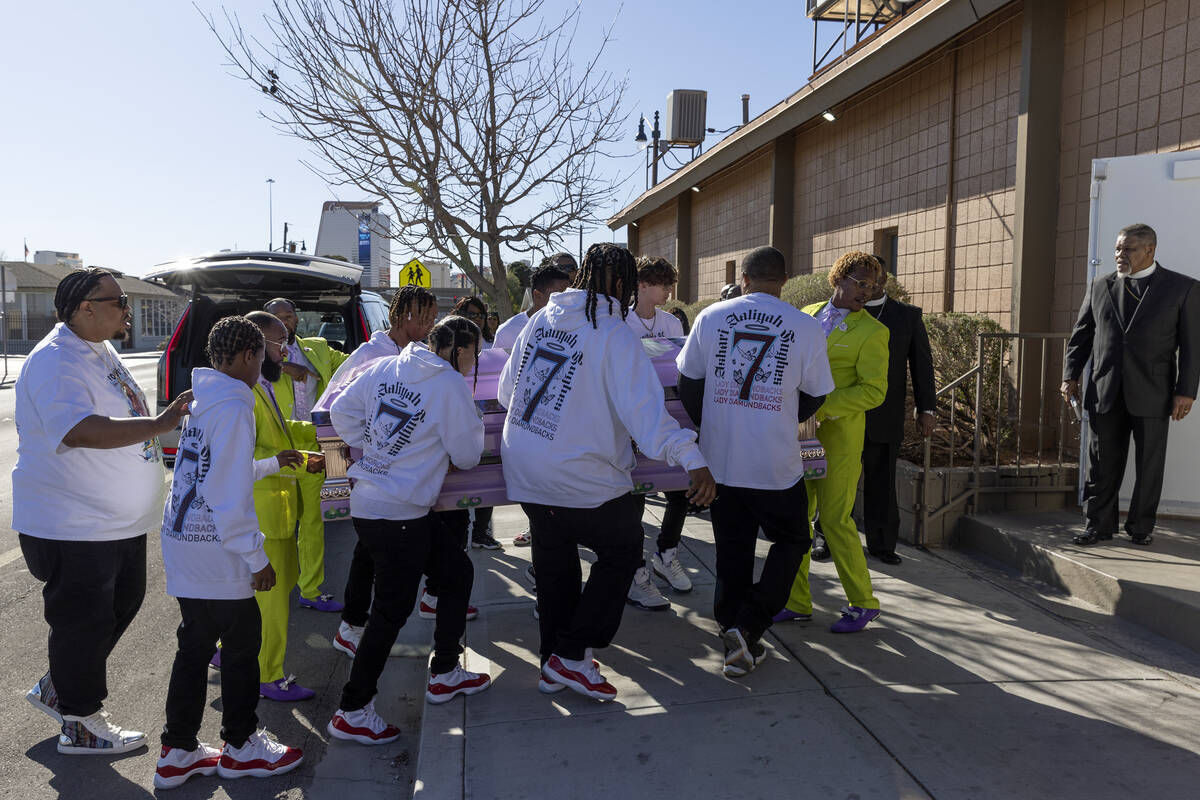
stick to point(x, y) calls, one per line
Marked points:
point(359, 233)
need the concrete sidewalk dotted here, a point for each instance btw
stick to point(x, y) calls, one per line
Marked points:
point(969, 686)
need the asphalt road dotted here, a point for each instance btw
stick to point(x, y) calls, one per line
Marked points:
point(138, 671)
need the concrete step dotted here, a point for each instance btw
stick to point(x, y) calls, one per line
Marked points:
point(1155, 586)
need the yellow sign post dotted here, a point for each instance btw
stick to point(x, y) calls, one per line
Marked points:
point(415, 273)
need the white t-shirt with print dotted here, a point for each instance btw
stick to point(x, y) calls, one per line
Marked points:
point(81, 493)
point(754, 354)
point(665, 325)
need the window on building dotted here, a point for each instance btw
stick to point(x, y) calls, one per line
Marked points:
point(158, 317)
point(887, 247)
point(730, 272)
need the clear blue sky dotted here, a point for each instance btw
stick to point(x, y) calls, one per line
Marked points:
point(125, 139)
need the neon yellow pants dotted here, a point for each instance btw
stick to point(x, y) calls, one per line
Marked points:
point(833, 497)
point(311, 536)
point(275, 606)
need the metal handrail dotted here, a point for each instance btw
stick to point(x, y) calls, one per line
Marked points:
point(1016, 365)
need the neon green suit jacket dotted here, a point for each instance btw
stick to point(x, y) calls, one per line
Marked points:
point(858, 358)
point(277, 497)
point(325, 360)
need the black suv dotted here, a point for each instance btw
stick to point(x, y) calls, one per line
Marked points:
point(326, 292)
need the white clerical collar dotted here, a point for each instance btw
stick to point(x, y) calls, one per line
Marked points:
point(1146, 273)
point(876, 303)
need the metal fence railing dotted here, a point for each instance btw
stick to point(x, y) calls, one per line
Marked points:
point(1005, 414)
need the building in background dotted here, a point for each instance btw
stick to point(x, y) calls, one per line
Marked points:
point(53, 257)
point(29, 306)
point(930, 142)
point(358, 232)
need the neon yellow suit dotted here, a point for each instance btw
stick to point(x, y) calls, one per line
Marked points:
point(277, 503)
point(858, 357)
point(311, 536)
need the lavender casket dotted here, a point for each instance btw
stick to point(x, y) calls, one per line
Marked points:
point(484, 485)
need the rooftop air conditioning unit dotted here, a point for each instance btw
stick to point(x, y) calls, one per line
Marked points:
point(687, 111)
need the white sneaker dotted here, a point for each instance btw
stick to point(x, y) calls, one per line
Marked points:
point(448, 685)
point(260, 757)
point(644, 594)
point(547, 686)
point(347, 638)
point(363, 726)
point(95, 735)
point(580, 676)
point(666, 565)
point(44, 698)
point(176, 765)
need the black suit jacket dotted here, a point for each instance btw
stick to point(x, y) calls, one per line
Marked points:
point(1145, 362)
point(908, 351)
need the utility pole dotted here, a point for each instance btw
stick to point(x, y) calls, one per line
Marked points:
point(270, 214)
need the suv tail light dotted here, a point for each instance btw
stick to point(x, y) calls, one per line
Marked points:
point(164, 389)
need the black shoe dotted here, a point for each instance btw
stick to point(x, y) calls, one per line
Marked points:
point(820, 550)
point(1143, 540)
point(889, 557)
point(1091, 537)
point(486, 541)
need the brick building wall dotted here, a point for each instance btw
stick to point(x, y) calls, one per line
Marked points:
point(730, 217)
point(656, 234)
point(1131, 86)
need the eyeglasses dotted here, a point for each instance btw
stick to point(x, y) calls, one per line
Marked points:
point(868, 285)
point(280, 345)
point(121, 300)
point(474, 315)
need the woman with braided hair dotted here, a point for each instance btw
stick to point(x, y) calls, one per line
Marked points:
point(578, 388)
point(412, 416)
point(87, 486)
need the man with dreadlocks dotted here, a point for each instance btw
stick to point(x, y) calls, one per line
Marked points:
point(578, 387)
point(87, 486)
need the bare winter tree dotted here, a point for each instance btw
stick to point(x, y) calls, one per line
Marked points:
point(467, 117)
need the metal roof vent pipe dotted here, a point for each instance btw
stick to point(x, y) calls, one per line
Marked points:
point(745, 109)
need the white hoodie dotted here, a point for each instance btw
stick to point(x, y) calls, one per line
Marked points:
point(411, 415)
point(576, 397)
point(210, 538)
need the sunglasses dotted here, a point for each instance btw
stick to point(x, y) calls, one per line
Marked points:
point(121, 300)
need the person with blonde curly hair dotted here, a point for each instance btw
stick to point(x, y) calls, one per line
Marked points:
point(857, 346)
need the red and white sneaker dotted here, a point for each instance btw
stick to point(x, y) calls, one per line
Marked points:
point(428, 608)
point(448, 685)
point(260, 757)
point(347, 638)
point(176, 765)
point(547, 686)
point(363, 726)
point(580, 676)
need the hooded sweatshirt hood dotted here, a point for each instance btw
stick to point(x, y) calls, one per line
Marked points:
point(566, 310)
point(211, 387)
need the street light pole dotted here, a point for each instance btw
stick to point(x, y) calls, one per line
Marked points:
point(270, 214)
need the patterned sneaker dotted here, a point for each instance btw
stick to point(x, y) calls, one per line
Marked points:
point(95, 735)
point(176, 765)
point(323, 602)
point(428, 608)
point(787, 615)
point(285, 690)
point(448, 685)
point(741, 656)
point(854, 619)
point(347, 638)
point(666, 565)
point(260, 757)
point(580, 676)
point(644, 594)
point(44, 698)
point(363, 726)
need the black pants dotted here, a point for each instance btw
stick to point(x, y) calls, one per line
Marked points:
point(455, 524)
point(674, 515)
point(360, 584)
point(238, 624)
point(737, 514)
point(403, 550)
point(1108, 449)
point(572, 621)
point(93, 591)
point(881, 517)
point(483, 518)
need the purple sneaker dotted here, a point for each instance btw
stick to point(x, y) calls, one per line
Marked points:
point(285, 690)
point(787, 615)
point(854, 619)
point(324, 602)
point(215, 661)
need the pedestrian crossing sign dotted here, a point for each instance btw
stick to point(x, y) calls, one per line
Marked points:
point(414, 273)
